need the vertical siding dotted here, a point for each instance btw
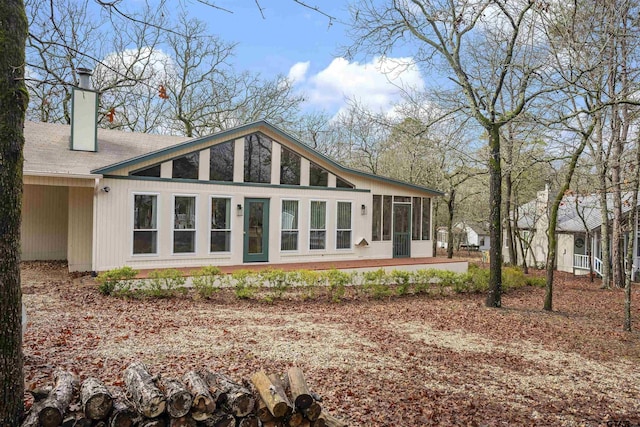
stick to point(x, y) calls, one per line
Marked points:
point(79, 248)
point(44, 223)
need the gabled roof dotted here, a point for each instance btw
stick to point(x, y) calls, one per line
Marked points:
point(47, 151)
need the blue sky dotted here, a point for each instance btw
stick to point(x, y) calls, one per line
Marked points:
point(295, 41)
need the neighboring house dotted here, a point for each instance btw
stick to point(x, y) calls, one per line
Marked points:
point(102, 199)
point(466, 235)
point(577, 230)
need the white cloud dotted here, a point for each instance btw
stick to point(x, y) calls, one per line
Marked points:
point(298, 73)
point(377, 84)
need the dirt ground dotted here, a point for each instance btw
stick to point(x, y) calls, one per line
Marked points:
point(404, 361)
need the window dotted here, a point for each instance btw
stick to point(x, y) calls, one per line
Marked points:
point(289, 167)
point(376, 223)
point(341, 183)
point(221, 162)
point(426, 218)
point(289, 227)
point(402, 199)
point(153, 171)
point(482, 241)
point(416, 218)
point(145, 224)
point(318, 177)
point(387, 215)
point(186, 167)
point(257, 159)
point(184, 224)
point(343, 229)
point(220, 238)
point(318, 225)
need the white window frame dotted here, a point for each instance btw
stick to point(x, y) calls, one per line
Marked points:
point(133, 221)
point(326, 214)
point(290, 251)
point(351, 203)
point(173, 229)
point(230, 225)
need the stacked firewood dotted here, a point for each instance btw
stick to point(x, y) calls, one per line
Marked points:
point(285, 400)
point(199, 398)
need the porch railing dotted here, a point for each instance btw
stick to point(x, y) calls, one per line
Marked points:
point(581, 262)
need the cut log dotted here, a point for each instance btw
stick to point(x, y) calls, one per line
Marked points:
point(51, 411)
point(123, 413)
point(317, 423)
point(331, 421)
point(186, 421)
point(263, 412)
point(274, 401)
point(155, 422)
point(238, 399)
point(145, 395)
point(76, 420)
point(96, 399)
point(313, 412)
point(220, 419)
point(294, 420)
point(248, 421)
point(179, 400)
point(279, 386)
point(203, 403)
point(299, 391)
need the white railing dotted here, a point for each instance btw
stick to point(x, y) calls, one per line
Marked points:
point(581, 262)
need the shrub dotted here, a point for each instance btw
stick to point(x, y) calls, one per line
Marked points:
point(513, 278)
point(402, 280)
point(376, 283)
point(422, 280)
point(245, 287)
point(536, 281)
point(118, 280)
point(336, 280)
point(204, 281)
point(164, 283)
point(309, 281)
point(276, 281)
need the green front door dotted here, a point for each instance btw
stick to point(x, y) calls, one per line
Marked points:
point(256, 230)
point(401, 230)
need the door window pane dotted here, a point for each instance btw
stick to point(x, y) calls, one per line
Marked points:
point(289, 227)
point(289, 167)
point(257, 159)
point(256, 230)
point(426, 218)
point(343, 231)
point(221, 162)
point(145, 232)
point(416, 218)
point(220, 239)
point(376, 221)
point(184, 224)
point(318, 177)
point(186, 167)
point(387, 215)
point(317, 229)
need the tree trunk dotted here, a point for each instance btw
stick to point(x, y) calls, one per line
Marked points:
point(96, 399)
point(51, 410)
point(237, 399)
point(179, 400)
point(203, 403)
point(494, 297)
point(450, 211)
point(513, 257)
point(299, 391)
point(274, 401)
point(145, 396)
point(13, 103)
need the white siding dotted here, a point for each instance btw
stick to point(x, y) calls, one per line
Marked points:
point(80, 236)
point(44, 223)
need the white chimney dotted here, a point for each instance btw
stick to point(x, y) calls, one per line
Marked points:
point(84, 114)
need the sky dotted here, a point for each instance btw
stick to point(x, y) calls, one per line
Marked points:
point(297, 42)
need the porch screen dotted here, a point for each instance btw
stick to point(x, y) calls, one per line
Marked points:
point(416, 218)
point(220, 239)
point(387, 215)
point(343, 231)
point(289, 229)
point(318, 225)
point(145, 224)
point(184, 224)
point(426, 218)
point(376, 220)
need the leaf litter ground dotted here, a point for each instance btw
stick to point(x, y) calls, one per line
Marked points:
point(409, 361)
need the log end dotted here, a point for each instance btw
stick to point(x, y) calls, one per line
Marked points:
point(50, 417)
point(280, 409)
point(303, 401)
point(243, 405)
point(99, 406)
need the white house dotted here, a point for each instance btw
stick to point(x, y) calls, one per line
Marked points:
point(102, 199)
point(467, 235)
